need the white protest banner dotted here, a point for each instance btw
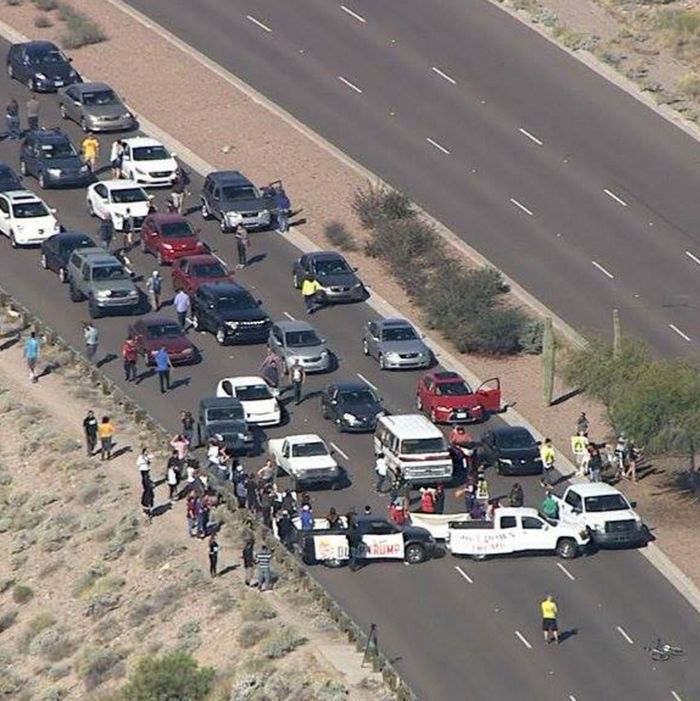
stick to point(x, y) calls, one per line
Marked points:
point(481, 541)
point(331, 547)
point(383, 546)
point(436, 524)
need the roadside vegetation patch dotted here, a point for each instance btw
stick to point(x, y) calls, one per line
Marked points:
point(81, 30)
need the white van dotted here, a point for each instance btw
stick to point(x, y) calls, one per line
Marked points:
point(416, 445)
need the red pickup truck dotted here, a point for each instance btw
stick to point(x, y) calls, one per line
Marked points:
point(447, 398)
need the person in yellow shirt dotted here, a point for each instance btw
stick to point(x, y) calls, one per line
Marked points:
point(106, 433)
point(310, 289)
point(550, 611)
point(91, 151)
point(547, 457)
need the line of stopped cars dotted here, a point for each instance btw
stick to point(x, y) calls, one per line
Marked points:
point(224, 308)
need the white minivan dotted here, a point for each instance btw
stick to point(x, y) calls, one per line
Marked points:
point(416, 445)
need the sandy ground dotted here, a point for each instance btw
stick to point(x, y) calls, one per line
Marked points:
point(53, 483)
point(132, 61)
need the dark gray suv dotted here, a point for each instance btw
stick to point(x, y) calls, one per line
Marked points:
point(52, 159)
point(231, 198)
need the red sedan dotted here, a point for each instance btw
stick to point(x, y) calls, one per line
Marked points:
point(447, 398)
point(153, 332)
point(191, 272)
point(169, 237)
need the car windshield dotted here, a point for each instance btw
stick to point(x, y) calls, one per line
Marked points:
point(458, 388)
point(302, 339)
point(399, 333)
point(515, 439)
point(29, 210)
point(176, 230)
point(331, 266)
point(225, 413)
point(100, 98)
point(150, 153)
point(238, 192)
point(7, 174)
point(209, 270)
point(418, 446)
point(49, 56)
point(357, 396)
point(67, 247)
point(129, 194)
point(309, 450)
point(58, 149)
point(109, 272)
point(252, 392)
point(164, 331)
point(235, 302)
point(606, 502)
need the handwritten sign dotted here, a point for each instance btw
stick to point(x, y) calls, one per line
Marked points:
point(383, 546)
point(331, 547)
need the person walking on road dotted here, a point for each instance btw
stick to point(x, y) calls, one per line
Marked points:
point(115, 158)
point(595, 463)
point(181, 302)
point(32, 107)
point(187, 423)
point(106, 433)
point(163, 366)
point(130, 356)
point(579, 447)
point(90, 432)
point(547, 456)
point(12, 120)
point(516, 497)
point(282, 207)
point(143, 463)
point(155, 288)
point(90, 148)
point(106, 234)
point(242, 245)
point(297, 375)
point(31, 355)
point(582, 425)
point(128, 230)
point(179, 190)
point(213, 554)
point(381, 470)
point(310, 290)
point(92, 339)
point(550, 611)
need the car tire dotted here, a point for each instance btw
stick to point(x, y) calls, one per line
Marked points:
point(414, 554)
point(205, 211)
point(566, 548)
point(62, 111)
point(339, 425)
point(22, 167)
point(365, 346)
point(13, 240)
point(93, 309)
point(295, 281)
point(31, 84)
point(419, 403)
point(159, 258)
point(42, 180)
point(333, 563)
point(195, 323)
point(222, 225)
point(433, 416)
point(10, 71)
point(83, 125)
point(43, 262)
point(479, 558)
point(221, 336)
point(382, 363)
point(324, 413)
point(74, 294)
point(90, 208)
point(63, 275)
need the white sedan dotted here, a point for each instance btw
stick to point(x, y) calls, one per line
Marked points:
point(117, 199)
point(260, 403)
point(25, 219)
point(147, 162)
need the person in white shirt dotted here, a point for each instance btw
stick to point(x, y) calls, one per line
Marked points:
point(381, 469)
point(143, 462)
point(213, 454)
point(172, 482)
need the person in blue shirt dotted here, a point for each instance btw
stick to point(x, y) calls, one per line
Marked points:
point(283, 207)
point(307, 518)
point(31, 355)
point(163, 366)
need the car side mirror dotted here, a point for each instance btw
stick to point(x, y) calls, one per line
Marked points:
point(53, 210)
point(633, 504)
point(323, 340)
point(70, 59)
point(354, 270)
point(258, 302)
point(576, 509)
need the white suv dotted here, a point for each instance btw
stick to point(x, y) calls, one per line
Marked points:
point(147, 162)
point(25, 218)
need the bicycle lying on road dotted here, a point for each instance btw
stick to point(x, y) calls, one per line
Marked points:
point(663, 651)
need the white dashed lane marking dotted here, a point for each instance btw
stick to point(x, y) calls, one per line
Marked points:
point(523, 640)
point(258, 23)
point(438, 146)
point(352, 86)
point(622, 632)
point(695, 259)
point(338, 450)
point(289, 316)
point(530, 136)
point(443, 75)
point(603, 270)
point(683, 335)
point(353, 14)
point(617, 199)
point(464, 574)
point(566, 572)
point(366, 381)
point(521, 207)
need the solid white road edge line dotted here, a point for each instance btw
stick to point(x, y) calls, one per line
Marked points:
point(572, 698)
point(444, 75)
point(566, 572)
point(366, 381)
point(603, 270)
point(521, 206)
point(624, 635)
point(289, 316)
point(692, 257)
point(523, 640)
point(258, 23)
point(676, 696)
point(652, 553)
point(437, 145)
point(464, 574)
point(531, 136)
point(359, 18)
point(338, 450)
point(684, 336)
point(345, 81)
point(617, 199)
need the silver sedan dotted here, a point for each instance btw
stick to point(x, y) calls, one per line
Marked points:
point(96, 107)
point(395, 344)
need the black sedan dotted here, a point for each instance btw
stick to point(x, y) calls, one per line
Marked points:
point(337, 279)
point(41, 66)
point(8, 179)
point(56, 250)
point(511, 450)
point(352, 406)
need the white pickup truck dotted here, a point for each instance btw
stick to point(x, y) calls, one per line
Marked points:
point(512, 530)
point(305, 458)
point(605, 512)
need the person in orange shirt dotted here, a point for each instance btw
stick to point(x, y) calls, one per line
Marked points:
point(91, 150)
point(463, 448)
point(106, 433)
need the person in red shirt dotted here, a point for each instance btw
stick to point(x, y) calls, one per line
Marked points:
point(463, 448)
point(130, 356)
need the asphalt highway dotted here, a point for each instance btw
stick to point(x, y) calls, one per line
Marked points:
point(574, 189)
point(456, 629)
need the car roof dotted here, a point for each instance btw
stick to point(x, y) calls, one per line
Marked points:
point(97, 255)
point(445, 376)
point(305, 438)
point(229, 176)
point(203, 258)
point(90, 87)
point(142, 141)
point(71, 236)
point(167, 217)
point(21, 196)
point(325, 255)
point(245, 380)
point(48, 135)
point(295, 325)
point(595, 489)
point(39, 45)
point(506, 430)
point(114, 184)
point(223, 287)
point(213, 402)
point(351, 385)
point(156, 319)
point(411, 426)
point(394, 321)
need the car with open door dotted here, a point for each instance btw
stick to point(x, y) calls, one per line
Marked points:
point(447, 398)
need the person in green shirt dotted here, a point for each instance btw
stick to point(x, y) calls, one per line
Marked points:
point(550, 508)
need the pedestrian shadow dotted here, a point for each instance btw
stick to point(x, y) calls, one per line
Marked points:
point(179, 383)
point(106, 360)
point(48, 369)
point(190, 210)
point(259, 258)
point(298, 222)
point(227, 569)
point(10, 342)
point(562, 478)
point(161, 509)
point(566, 634)
point(565, 397)
point(145, 375)
point(122, 451)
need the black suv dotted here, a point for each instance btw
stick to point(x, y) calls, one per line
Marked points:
point(41, 66)
point(223, 418)
point(8, 179)
point(56, 250)
point(511, 450)
point(230, 312)
point(52, 159)
point(352, 406)
point(230, 197)
point(331, 271)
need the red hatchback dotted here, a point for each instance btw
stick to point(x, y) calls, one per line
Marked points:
point(153, 332)
point(191, 272)
point(447, 398)
point(169, 237)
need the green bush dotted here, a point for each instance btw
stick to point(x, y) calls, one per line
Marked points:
point(176, 675)
point(340, 237)
point(493, 332)
point(158, 553)
point(52, 644)
point(377, 203)
point(281, 642)
point(99, 664)
point(46, 5)
point(42, 621)
point(7, 620)
point(42, 22)
point(21, 593)
point(255, 608)
point(81, 30)
point(188, 638)
point(250, 634)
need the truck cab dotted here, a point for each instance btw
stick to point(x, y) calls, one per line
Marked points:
point(306, 459)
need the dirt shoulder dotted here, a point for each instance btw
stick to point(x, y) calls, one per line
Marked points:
point(133, 61)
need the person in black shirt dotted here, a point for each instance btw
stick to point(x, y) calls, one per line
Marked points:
point(90, 430)
point(285, 529)
point(213, 554)
point(249, 560)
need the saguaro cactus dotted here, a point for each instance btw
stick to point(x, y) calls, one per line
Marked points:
point(547, 361)
point(617, 334)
